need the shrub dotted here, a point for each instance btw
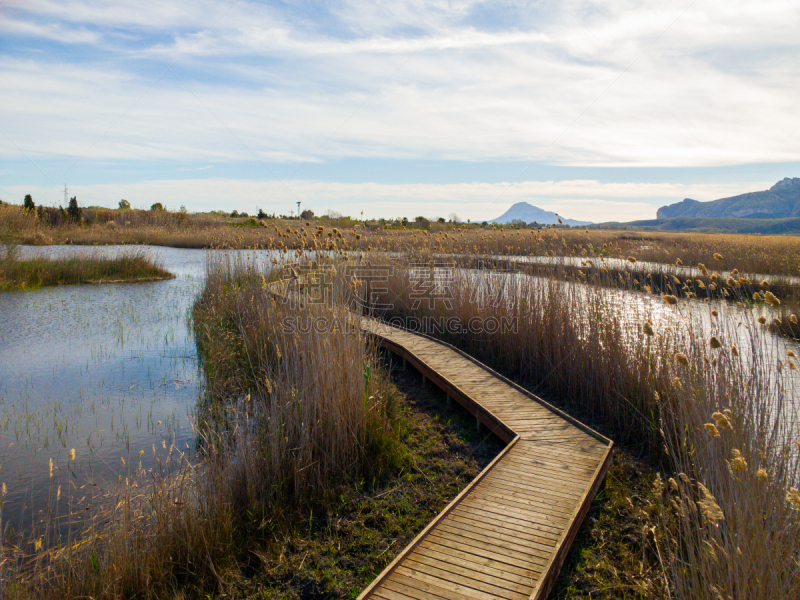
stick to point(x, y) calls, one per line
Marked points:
point(28, 203)
point(74, 211)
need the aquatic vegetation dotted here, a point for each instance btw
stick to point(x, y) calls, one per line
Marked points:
point(28, 273)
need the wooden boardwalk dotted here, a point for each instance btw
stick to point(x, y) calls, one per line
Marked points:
point(506, 535)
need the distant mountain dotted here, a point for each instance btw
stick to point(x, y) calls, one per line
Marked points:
point(711, 225)
point(522, 211)
point(781, 201)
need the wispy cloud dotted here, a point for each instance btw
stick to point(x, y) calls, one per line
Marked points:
point(581, 83)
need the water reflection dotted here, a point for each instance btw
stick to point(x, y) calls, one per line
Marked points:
point(107, 370)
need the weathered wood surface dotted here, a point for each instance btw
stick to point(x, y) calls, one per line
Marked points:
point(507, 534)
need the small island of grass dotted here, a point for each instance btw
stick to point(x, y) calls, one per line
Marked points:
point(36, 272)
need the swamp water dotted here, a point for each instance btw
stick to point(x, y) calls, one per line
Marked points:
point(109, 371)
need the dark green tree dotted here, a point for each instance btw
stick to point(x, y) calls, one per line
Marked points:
point(28, 203)
point(124, 204)
point(157, 206)
point(73, 210)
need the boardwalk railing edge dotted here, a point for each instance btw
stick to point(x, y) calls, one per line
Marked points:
point(424, 533)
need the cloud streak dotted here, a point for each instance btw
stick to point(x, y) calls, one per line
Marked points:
point(582, 84)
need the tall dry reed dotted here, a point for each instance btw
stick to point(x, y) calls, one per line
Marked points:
point(288, 419)
point(703, 394)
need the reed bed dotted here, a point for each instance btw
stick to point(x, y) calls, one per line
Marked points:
point(281, 430)
point(712, 404)
point(28, 273)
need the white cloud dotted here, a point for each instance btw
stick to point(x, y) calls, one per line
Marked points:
point(580, 83)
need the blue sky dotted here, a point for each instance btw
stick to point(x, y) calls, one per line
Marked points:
point(596, 110)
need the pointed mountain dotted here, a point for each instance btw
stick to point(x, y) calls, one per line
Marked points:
point(522, 211)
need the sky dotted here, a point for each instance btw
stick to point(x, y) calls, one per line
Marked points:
point(600, 111)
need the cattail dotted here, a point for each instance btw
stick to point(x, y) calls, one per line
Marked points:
point(764, 283)
point(734, 350)
point(770, 299)
point(715, 343)
point(717, 256)
point(762, 475)
point(669, 299)
point(72, 454)
point(793, 497)
point(722, 421)
point(714, 313)
point(681, 359)
point(712, 429)
point(791, 354)
point(762, 320)
point(631, 259)
point(679, 262)
point(51, 468)
point(793, 319)
point(703, 269)
point(647, 328)
point(708, 505)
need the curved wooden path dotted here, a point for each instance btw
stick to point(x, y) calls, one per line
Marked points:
point(506, 535)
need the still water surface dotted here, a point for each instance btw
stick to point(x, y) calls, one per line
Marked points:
point(107, 370)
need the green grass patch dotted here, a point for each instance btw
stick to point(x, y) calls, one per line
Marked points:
point(34, 273)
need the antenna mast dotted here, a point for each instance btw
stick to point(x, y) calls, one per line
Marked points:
point(298, 209)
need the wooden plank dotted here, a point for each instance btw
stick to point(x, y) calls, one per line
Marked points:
point(438, 519)
point(470, 577)
point(546, 583)
point(483, 559)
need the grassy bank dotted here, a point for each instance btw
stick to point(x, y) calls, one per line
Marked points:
point(29, 273)
point(711, 409)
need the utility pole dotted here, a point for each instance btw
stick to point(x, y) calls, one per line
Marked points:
point(298, 209)
point(65, 193)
